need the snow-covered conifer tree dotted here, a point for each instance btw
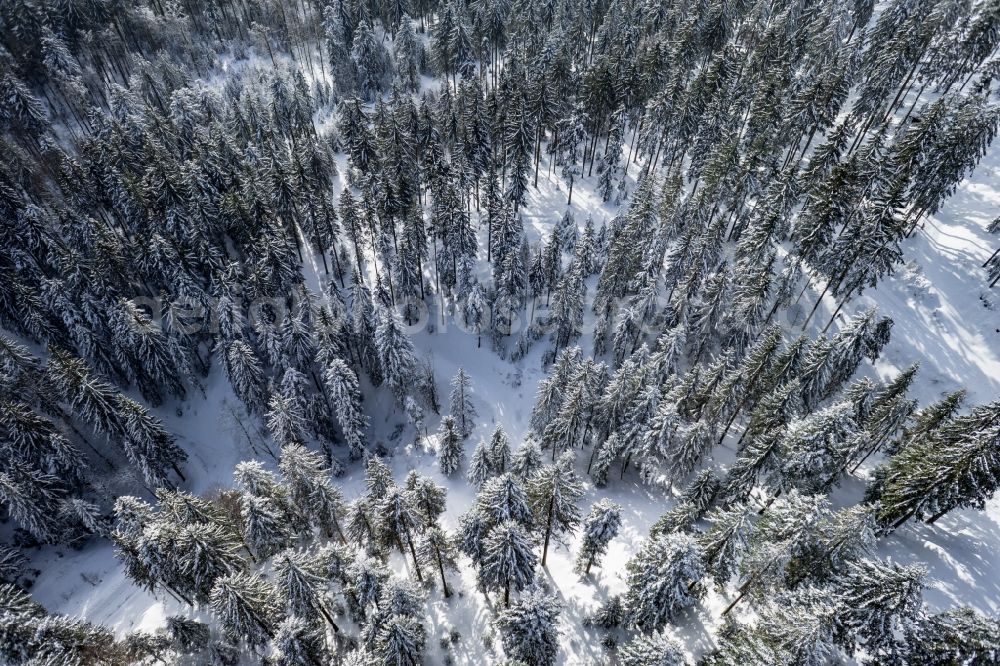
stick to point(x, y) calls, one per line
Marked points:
point(469, 538)
point(881, 601)
point(396, 356)
point(724, 542)
point(296, 641)
point(285, 420)
point(954, 466)
point(508, 560)
point(301, 584)
point(428, 499)
point(567, 308)
point(246, 607)
point(655, 650)
point(960, 634)
point(245, 374)
point(553, 492)
point(502, 499)
point(401, 641)
point(481, 465)
point(462, 409)
point(450, 452)
point(599, 527)
point(398, 523)
point(342, 386)
point(529, 628)
point(526, 460)
point(437, 552)
point(691, 506)
point(659, 579)
point(264, 529)
point(499, 448)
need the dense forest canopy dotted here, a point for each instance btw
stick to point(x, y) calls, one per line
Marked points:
point(292, 196)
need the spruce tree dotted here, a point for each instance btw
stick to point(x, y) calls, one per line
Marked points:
point(959, 636)
point(553, 492)
point(526, 460)
point(481, 465)
point(502, 499)
point(245, 605)
point(794, 627)
point(659, 579)
point(953, 466)
point(298, 642)
point(529, 629)
point(345, 397)
point(654, 650)
point(245, 374)
point(724, 542)
point(462, 409)
point(428, 499)
point(567, 308)
point(301, 584)
point(881, 601)
point(450, 452)
point(398, 524)
point(508, 560)
point(401, 641)
point(396, 356)
point(599, 527)
point(264, 529)
point(499, 450)
point(437, 552)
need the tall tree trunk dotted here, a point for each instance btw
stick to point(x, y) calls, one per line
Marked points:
point(444, 582)
point(548, 526)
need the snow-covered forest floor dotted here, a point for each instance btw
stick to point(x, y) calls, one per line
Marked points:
point(945, 319)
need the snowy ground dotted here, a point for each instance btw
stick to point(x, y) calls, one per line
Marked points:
point(945, 318)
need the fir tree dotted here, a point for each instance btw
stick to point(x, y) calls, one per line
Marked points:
point(245, 607)
point(955, 465)
point(507, 560)
point(529, 629)
point(450, 452)
point(655, 650)
point(659, 579)
point(881, 601)
point(526, 461)
point(462, 409)
point(345, 396)
point(599, 527)
point(481, 466)
point(499, 449)
point(436, 551)
point(298, 642)
point(553, 492)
